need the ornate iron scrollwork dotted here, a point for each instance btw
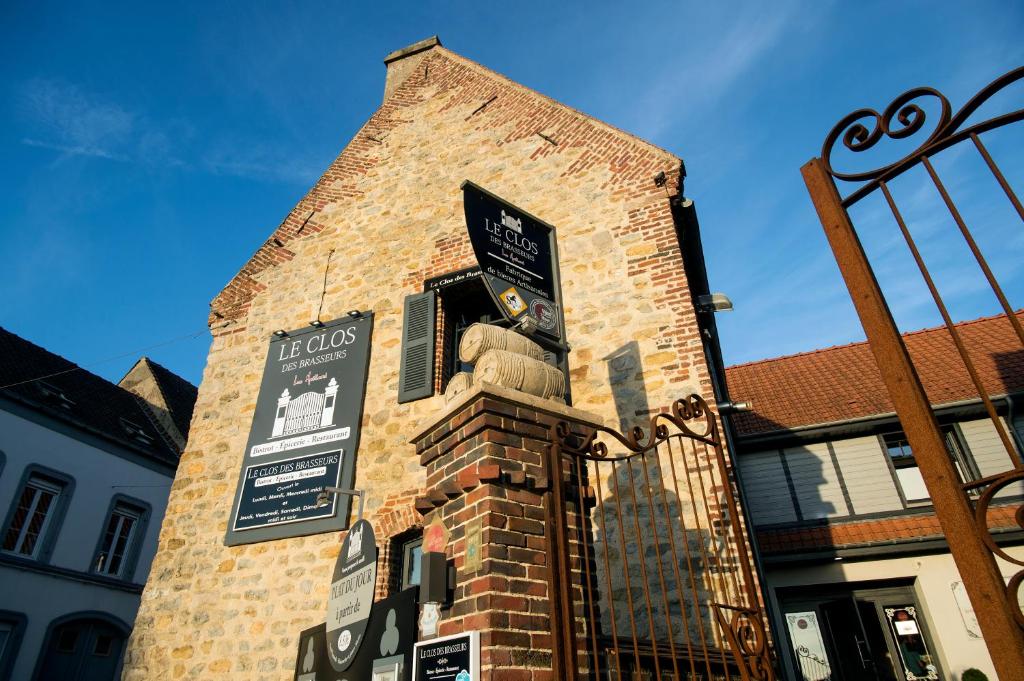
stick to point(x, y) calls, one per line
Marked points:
point(691, 416)
point(903, 118)
point(981, 510)
point(744, 628)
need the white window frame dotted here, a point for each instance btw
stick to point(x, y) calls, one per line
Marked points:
point(408, 548)
point(40, 485)
point(101, 563)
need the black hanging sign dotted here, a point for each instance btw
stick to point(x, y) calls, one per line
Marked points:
point(304, 434)
point(518, 255)
point(351, 595)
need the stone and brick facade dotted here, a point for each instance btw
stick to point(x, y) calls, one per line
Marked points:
point(384, 217)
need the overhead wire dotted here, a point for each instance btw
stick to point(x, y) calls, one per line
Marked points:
point(133, 353)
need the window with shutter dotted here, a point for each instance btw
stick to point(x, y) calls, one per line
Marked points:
point(464, 301)
point(416, 374)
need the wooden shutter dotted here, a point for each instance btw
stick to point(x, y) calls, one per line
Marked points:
point(416, 377)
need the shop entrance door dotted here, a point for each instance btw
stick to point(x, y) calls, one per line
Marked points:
point(872, 633)
point(857, 640)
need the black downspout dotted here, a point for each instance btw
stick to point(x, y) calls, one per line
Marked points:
point(684, 215)
point(1014, 433)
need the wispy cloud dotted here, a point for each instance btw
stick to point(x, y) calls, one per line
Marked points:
point(64, 118)
point(262, 163)
point(74, 123)
point(712, 63)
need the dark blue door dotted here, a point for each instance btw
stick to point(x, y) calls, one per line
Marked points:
point(82, 650)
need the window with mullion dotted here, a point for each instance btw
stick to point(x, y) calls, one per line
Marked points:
point(412, 551)
point(898, 448)
point(118, 537)
point(906, 470)
point(31, 517)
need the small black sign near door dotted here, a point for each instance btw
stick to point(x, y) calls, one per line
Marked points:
point(449, 658)
point(518, 255)
point(304, 434)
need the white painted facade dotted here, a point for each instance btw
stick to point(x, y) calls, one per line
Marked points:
point(48, 588)
point(850, 480)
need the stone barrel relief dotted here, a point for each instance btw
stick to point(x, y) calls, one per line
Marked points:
point(506, 358)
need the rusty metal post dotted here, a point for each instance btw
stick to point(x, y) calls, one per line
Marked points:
point(981, 577)
point(564, 659)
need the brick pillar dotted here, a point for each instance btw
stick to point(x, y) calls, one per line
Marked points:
point(485, 463)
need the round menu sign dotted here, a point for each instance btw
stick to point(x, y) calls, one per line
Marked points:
point(351, 595)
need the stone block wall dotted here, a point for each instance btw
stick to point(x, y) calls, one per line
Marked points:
point(386, 215)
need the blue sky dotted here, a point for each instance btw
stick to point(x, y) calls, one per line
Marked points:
point(147, 149)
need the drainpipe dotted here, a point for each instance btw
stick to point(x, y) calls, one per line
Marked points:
point(688, 234)
point(1014, 433)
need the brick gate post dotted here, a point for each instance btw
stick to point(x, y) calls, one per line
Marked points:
point(484, 459)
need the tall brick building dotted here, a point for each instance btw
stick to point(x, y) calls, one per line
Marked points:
point(384, 226)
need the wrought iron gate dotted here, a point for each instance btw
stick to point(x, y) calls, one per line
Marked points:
point(968, 510)
point(650, 571)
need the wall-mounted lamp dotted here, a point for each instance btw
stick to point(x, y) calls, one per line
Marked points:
point(714, 302)
point(355, 314)
point(316, 324)
point(323, 497)
point(281, 333)
point(735, 407)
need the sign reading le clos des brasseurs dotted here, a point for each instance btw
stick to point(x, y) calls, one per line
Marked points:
point(305, 433)
point(516, 252)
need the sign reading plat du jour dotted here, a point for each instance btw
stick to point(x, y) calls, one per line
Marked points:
point(351, 595)
point(304, 434)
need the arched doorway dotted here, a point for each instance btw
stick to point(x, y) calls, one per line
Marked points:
point(83, 647)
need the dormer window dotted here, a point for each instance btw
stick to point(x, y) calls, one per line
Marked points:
point(135, 432)
point(55, 395)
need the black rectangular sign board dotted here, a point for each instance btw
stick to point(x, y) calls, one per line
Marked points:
point(449, 658)
point(517, 253)
point(304, 434)
point(268, 491)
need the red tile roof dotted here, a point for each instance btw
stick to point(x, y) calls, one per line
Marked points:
point(873, 532)
point(842, 383)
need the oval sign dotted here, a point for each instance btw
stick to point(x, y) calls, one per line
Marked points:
point(351, 595)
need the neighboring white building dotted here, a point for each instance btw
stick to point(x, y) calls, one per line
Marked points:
point(85, 471)
point(856, 567)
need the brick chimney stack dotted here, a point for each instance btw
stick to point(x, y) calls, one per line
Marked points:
point(401, 63)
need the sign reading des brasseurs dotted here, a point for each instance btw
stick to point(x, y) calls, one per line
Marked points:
point(304, 434)
point(517, 254)
point(452, 658)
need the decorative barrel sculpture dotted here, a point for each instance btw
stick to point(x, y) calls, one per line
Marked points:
point(520, 372)
point(459, 383)
point(479, 338)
